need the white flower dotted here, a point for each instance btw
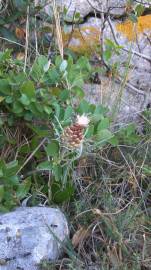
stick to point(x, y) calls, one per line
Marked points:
point(82, 120)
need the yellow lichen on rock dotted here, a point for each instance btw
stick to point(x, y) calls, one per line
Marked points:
point(132, 30)
point(84, 40)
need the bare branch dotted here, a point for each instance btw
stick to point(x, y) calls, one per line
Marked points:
point(129, 85)
point(14, 42)
point(27, 39)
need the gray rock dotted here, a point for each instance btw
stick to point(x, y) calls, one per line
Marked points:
point(139, 72)
point(85, 7)
point(30, 235)
point(136, 93)
point(124, 103)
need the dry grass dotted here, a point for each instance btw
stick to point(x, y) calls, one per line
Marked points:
point(110, 214)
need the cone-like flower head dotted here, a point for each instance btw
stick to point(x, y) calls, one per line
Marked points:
point(73, 135)
point(82, 120)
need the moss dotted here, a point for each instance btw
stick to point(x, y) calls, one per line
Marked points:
point(131, 30)
point(84, 40)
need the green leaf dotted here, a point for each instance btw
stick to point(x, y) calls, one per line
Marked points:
point(5, 87)
point(23, 188)
point(12, 164)
point(83, 107)
point(103, 124)
point(133, 18)
point(9, 99)
point(62, 195)
point(139, 10)
point(77, 15)
point(6, 55)
point(89, 132)
point(47, 109)
point(28, 116)
point(100, 110)
point(24, 100)
point(58, 61)
point(24, 149)
point(11, 169)
point(2, 165)
point(64, 95)
point(28, 89)
point(53, 76)
point(63, 65)
point(68, 113)
point(42, 61)
point(103, 135)
point(40, 131)
point(83, 63)
point(57, 109)
point(114, 141)
point(146, 170)
point(78, 92)
point(20, 78)
point(47, 66)
point(107, 54)
point(46, 165)
point(37, 109)
point(6, 33)
point(78, 81)
point(1, 173)
point(52, 149)
point(128, 135)
point(13, 180)
point(57, 171)
point(39, 68)
point(17, 108)
point(1, 192)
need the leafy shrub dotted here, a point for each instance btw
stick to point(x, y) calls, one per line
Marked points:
point(41, 102)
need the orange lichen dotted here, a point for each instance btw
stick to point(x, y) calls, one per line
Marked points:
point(132, 30)
point(82, 40)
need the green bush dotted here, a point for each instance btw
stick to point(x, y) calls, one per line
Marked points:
point(40, 103)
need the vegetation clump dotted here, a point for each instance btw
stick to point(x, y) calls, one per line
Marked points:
point(56, 148)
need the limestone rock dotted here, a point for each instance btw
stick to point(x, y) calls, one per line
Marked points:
point(139, 71)
point(135, 94)
point(124, 103)
point(26, 237)
point(85, 7)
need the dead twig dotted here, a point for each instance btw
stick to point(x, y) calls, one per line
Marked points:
point(32, 154)
point(100, 213)
point(129, 85)
point(58, 29)
point(13, 42)
point(27, 39)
